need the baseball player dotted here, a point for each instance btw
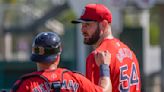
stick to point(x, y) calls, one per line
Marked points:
point(96, 22)
point(46, 50)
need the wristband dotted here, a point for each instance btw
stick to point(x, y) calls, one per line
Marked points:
point(104, 70)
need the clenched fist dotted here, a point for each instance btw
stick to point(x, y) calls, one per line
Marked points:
point(102, 57)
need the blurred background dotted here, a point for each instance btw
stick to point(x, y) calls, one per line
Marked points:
point(138, 23)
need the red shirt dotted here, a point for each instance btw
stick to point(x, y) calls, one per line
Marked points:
point(72, 82)
point(124, 67)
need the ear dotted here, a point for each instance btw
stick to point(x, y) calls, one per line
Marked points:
point(61, 49)
point(57, 60)
point(103, 25)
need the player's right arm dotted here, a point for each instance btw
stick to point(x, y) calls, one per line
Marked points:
point(103, 59)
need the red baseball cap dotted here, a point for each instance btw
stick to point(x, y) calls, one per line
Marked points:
point(94, 12)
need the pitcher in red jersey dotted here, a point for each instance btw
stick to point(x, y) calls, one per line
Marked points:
point(46, 49)
point(124, 68)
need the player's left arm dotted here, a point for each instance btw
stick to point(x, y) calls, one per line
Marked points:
point(23, 87)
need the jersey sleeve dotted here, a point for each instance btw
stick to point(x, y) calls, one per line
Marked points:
point(86, 85)
point(88, 68)
point(92, 70)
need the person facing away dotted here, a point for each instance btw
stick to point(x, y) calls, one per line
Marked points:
point(96, 22)
point(46, 50)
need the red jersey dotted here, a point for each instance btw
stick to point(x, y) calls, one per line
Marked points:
point(72, 82)
point(124, 67)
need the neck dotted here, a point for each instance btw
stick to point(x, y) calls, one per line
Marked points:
point(107, 35)
point(43, 66)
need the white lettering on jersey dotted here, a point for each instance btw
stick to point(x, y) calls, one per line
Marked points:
point(43, 87)
point(123, 53)
point(69, 84)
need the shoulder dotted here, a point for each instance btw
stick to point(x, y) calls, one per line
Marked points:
point(110, 43)
point(74, 75)
point(77, 76)
point(78, 73)
point(66, 71)
point(19, 86)
point(25, 82)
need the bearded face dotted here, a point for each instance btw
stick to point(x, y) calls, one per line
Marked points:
point(93, 38)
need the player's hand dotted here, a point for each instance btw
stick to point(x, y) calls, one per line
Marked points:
point(102, 57)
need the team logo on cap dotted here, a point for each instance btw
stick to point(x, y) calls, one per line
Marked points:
point(83, 11)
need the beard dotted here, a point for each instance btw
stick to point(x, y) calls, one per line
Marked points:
point(94, 38)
